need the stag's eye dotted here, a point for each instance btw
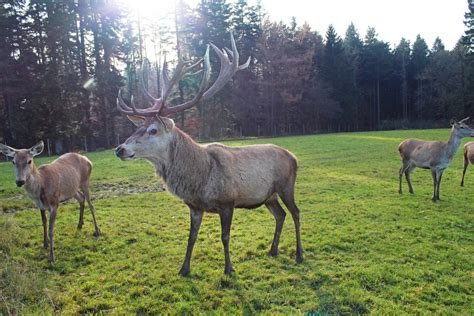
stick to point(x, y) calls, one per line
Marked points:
point(29, 162)
point(153, 131)
point(13, 162)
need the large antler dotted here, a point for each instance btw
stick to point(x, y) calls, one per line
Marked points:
point(159, 106)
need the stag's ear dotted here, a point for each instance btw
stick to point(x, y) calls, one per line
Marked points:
point(136, 120)
point(37, 149)
point(7, 150)
point(453, 122)
point(169, 123)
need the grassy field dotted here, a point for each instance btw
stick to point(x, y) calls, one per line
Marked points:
point(367, 249)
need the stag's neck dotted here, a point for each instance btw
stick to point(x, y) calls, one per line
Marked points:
point(185, 168)
point(453, 144)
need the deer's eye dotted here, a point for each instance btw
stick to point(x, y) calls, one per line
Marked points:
point(153, 131)
point(13, 162)
point(29, 162)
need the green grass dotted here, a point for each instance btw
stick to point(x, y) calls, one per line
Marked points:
point(367, 249)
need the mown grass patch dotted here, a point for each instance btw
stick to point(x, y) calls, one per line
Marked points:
point(367, 249)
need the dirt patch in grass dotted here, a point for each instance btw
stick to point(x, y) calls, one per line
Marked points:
point(99, 191)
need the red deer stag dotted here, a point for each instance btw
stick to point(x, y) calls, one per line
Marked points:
point(66, 177)
point(468, 158)
point(433, 155)
point(213, 178)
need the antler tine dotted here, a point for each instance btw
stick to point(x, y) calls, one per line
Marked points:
point(464, 119)
point(125, 109)
point(159, 107)
point(150, 98)
point(204, 81)
point(228, 68)
point(168, 84)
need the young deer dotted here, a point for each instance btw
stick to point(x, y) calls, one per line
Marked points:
point(433, 155)
point(212, 178)
point(66, 177)
point(468, 158)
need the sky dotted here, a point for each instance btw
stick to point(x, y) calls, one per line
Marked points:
point(391, 19)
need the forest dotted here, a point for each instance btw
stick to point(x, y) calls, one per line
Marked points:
point(62, 64)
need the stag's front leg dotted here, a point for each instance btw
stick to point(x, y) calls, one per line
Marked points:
point(45, 229)
point(52, 219)
point(226, 222)
point(196, 219)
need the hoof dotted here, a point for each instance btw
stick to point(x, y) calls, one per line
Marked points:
point(229, 271)
point(272, 253)
point(184, 272)
point(52, 259)
point(299, 259)
point(97, 233)
point(400, 192)
point(79, 226)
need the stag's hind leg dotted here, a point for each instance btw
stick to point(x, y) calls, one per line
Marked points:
point(80, 198)
point(279, 214)
point(226, 222)
point(287, 196)
point(86, 194)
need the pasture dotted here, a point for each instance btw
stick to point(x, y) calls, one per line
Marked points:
point(367, 248)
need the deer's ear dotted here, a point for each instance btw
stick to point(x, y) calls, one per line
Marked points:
point(136, 120)
point(7, 150)
point(37, 149)
point(453, 122)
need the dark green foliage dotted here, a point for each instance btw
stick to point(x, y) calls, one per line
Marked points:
point(61, 65)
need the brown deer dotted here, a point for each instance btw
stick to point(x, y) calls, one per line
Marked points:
point(468, 158)
point(433, 155)
point(64, 178)
point(213, 178)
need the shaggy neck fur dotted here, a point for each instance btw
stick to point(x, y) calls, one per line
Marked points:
point(186, 160)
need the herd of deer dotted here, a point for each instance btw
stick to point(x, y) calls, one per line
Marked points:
point(207, 178)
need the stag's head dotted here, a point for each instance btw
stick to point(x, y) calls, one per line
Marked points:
point(22, 160)
point(461, 129)
point(154, 128)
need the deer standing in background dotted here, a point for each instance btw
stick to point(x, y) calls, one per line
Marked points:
point(468, 158)
point(433, 155)
point(64, 178)
point(213, 178)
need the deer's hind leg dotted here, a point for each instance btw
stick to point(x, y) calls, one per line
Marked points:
point(80, 198)
point(408, 171)
point(279, 214)
point(466, 163)
point(86, 194)
point(405, 165)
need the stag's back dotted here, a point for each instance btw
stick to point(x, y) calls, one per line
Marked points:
point(65, 175)
point(249, 175)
